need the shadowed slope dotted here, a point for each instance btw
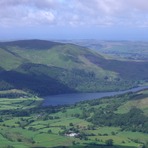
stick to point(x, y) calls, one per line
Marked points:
point(75, 67)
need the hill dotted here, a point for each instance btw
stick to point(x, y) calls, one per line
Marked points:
point(30, 44)
point(46, 67)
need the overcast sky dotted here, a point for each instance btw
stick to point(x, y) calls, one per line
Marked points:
point(74, 19)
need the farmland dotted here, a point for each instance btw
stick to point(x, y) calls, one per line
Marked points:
point(25, 124)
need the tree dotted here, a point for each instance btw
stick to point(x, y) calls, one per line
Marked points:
point(49, 131)
point(73, 142)
point(19, 140)
point(109, 142)
point(70, 124)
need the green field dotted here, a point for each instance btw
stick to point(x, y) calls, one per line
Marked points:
point(12, 60)
point(24, 125)
point(21, 101)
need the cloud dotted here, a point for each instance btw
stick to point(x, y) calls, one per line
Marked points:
point(74, 12)
point(26, 12)
point(39, 17)
point(35, 3)
point(141, 5)
point(107, 7)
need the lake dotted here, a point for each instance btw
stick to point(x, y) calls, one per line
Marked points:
point(65, 99)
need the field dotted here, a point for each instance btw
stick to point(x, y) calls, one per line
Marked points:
point(23, 124)
point(24, 101)
point(18, 137)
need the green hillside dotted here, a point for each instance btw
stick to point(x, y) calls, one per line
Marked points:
point(46, 67)
point(9, 60)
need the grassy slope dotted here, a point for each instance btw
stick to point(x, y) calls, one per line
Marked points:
point(141, 101)
point(8, 60)
point(65, 56)
point(71, 56)
point(73, 67)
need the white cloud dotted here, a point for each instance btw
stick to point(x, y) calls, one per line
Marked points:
point(26, 12)
point(39, 17)
point(140, 5)
point(74, 12)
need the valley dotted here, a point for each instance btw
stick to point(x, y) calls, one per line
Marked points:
point(73, 74)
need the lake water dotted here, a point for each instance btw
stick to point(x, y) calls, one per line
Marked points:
point(64, 99)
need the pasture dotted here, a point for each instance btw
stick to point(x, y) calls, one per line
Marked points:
point(47, 127)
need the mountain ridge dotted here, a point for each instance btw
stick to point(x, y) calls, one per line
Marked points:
point(72, 67)
point(34, 43)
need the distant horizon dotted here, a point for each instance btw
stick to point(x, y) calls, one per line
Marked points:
point(56, 40)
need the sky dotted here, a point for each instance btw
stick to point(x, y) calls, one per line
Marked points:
point(74, 19)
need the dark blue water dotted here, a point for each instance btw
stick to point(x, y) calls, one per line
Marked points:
point(64, 99)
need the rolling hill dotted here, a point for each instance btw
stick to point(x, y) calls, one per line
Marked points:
point(46, 67)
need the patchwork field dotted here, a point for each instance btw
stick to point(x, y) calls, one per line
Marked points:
point(24, 125)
